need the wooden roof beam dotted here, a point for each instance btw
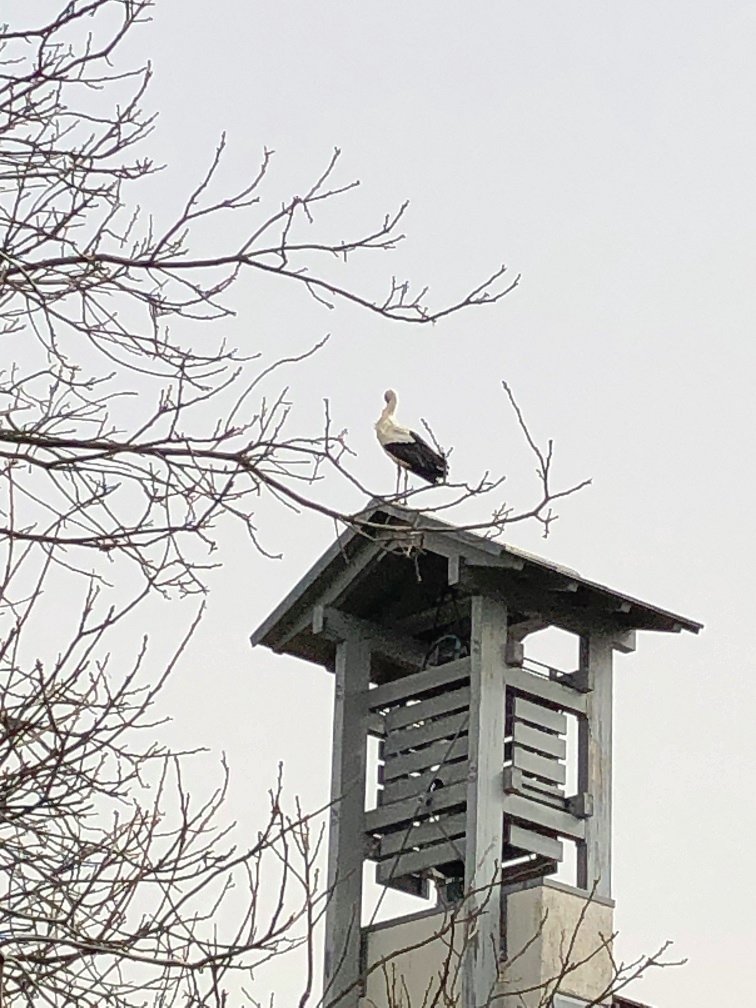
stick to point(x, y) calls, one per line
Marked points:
point(443, 545)
point(530, 603)
point(398, 648)
point(434, 616)
point(340, 582)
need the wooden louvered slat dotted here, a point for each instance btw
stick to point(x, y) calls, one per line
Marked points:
point(554, 798)
point(555, 694)
point(534, 843)
point(418, 684)
point(421, 759)
point(539, 766)
point(524, 871)
point(412, 714)
point(431, 831)
point(402, 739)
point(540, 785)
point(399, 812)
point(526, 811)
point(398, 790)
point(415, 861)
point(537, 714)
point(540, 741)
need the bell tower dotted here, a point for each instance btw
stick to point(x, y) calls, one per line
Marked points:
point(489, 764)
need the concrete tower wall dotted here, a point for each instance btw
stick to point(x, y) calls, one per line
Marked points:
point(549, 927)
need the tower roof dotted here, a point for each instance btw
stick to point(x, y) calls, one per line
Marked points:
point(405, 563)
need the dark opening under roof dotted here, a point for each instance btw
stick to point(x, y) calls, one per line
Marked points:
point(405, 559)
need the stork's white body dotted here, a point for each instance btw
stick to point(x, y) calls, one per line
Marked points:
point(388, 431)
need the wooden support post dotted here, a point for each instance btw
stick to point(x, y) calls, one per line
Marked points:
point(485, 826)
point(347, 823)
point(594, 856)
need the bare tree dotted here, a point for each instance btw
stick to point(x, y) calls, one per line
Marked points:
point(118, 888)
point(126, 430)
point(129, 429)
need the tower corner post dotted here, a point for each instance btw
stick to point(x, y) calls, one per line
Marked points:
point(485, 828)
point(594, 854)
point(347, 823)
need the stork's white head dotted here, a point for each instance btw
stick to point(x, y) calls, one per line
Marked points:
point(387, 413)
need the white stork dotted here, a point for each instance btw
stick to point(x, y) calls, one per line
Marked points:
point(406, 448)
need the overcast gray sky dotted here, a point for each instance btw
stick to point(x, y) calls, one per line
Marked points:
point(606, 152)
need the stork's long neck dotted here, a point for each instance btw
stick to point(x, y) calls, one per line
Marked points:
point(387, 418)
point(387, 413)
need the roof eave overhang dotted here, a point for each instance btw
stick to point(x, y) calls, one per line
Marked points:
point(381, 524)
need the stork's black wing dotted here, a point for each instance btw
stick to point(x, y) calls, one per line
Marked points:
point(418, 456)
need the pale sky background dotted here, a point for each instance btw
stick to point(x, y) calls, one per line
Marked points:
point(606, 151)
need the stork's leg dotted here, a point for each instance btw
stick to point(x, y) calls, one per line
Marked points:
point(406, 486)
point(398, 480)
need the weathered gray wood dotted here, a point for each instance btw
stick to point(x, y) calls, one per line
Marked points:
point(516, 782)
point(405, 811)
point(536, 843)
point(547, 690)
point(431, 831)
point(526, 811)
point(485, 825)
point(454, 700)
point(327, 582)
point(541, 785)
point(523, 628)
point(580, 805)
point(452, 571)
point(577, 680)
point(625, 642)
point(346, 560)
point(398, 790)
point(561, 609)
point(428, 857)
point(539, 766)
point(541, 741)
point(588, 608)
point(377, 725)
point(436, 755)
point(403, 651)
point(416, 685)
point(347, 822)
point(554, 798)
point(413, 885)
point(511, 779)
point(537, 714)
point(594, 859)
point(519, 873)
point(408, 738)
point(475, 550)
